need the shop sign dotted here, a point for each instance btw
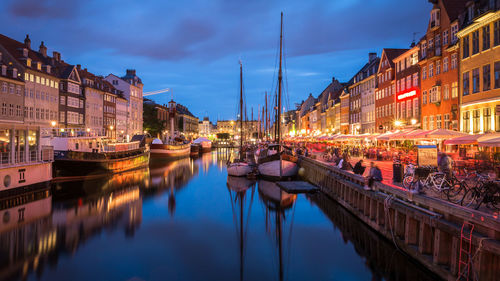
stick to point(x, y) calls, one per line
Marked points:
point(406, 95)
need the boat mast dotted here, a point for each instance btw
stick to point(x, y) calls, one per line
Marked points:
point(266, 122)
point(280, 78)
point(241, 111)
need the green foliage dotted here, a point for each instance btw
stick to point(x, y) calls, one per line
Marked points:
point(151, 123)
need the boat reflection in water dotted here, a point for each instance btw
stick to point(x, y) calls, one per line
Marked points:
point(171, 177)
point(238, 187)
point(278, 205)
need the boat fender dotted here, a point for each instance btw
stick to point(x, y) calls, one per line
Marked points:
point(302, 171)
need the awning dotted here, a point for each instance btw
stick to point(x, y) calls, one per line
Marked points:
point(443, 134)
point(490, 140)
point(467, 139)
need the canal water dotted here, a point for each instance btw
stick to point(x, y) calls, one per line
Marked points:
point(185, 220)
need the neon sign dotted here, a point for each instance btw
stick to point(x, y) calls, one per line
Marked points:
point(407, 95)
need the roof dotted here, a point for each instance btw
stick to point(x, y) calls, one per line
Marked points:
point(15, 48)
point(183, 110)
point(391, 54)
point(454, 8)
point(99, 82)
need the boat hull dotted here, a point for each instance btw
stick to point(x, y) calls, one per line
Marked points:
point(206, 147)
point(238, 169)
point(25, 177)
point(69, 167)
point(271, 169)
point(170, 152)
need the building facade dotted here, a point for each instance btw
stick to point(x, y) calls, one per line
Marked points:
point(439, 66)
point(408, 93)
point(12, 89)
point(385, 92)
point(71, 96)
point(344, 112)
point(480, 70)
point(94, 96)
point(362, 98)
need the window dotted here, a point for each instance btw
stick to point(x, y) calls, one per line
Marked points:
point(415, 107)
point(445, 64)
point(4, 108)
point(453, 61)
point(466, 83)
point(475, 42)
point(466, 122)
point(486, 37)
point(403, 109)
point(475, 80)
point(465, 47)
point(496, 33)
point(408, 82)
point(447, 121)
point(32, 113)
point(454, 90)
point(424, 73)
point(446, 92)
point(445, 37)
point(476, 120)
point(497, 74)
point(37, 113)
point(431, 122)
point(487, 119)
point(415, 79)
point(454, 30)
point(409, 109)
point(486, 77)
point(438, 67)
point(62, 100)
point(424, 49)
point(62, 117)
point(438, 121)
point(431, 70)
point(435, 94)
point(424, 97)
point(424, 125)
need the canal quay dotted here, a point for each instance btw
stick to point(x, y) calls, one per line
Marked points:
point(184, 220)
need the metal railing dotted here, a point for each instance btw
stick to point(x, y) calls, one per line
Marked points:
point(46, 154)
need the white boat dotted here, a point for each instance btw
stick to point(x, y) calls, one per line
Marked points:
point(238, 169)
point(24, 162)
point(169, 151)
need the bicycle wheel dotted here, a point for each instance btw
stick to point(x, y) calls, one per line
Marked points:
point(470, 198)
point(407, 180)
point(453, 193)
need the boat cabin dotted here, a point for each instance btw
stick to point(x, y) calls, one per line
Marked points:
point(91, 144)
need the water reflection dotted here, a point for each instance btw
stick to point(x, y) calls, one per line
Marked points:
point(118, 228)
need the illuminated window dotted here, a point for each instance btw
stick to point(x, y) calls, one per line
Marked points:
point(486, 77)
point(445, 64)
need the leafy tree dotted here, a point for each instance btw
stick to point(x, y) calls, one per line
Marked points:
point(150, 120)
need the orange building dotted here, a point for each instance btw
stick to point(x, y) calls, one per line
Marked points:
point(344, 112)
point(439, 66)
point(385, 106)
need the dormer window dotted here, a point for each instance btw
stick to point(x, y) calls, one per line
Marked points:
point(435, 18)
point(28, 62)
point(14, 73)
point(25, 52)
point(4, 70)
point(48, 68)
point(39, 65)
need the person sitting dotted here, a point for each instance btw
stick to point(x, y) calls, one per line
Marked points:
point(445, 165)
point(359, 169)
point(344, 164)
point(375, 175)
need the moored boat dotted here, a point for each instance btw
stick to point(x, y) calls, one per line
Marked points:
point(195, 150)
point(84, 156)
point(206, 144)
point(24, 162)
point(169, 151)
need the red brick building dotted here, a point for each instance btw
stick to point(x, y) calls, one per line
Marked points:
point(386, 91)
point(408, 89)
point(439, 66)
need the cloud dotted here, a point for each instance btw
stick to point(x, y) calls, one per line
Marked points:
point(50, 9)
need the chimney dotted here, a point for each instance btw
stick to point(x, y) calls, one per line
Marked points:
point(43, 50)
point(372, 57)
point(57, 56)
point(130, 72)
point(79, 66)
point(27, 41)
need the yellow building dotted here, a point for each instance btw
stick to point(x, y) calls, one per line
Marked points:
point(480, 74)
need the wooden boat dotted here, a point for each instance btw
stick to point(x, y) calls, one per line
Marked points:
point(83, 156)
point(281, 164)
point(169, 151)
point(239, 167)
point(195, 150)
point(206, 144)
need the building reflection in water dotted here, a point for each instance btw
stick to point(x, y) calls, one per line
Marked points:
point(238, 187)
point(280, 211)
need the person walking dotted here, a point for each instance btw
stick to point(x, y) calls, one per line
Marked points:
point(375, 175)
point(445, 165)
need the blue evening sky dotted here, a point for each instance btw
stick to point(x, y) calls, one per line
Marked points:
point(193, 46)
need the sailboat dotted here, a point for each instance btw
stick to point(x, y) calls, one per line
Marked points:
point(282, 164)
point(239, 167)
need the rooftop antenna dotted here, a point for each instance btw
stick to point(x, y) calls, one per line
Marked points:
point(414, 37)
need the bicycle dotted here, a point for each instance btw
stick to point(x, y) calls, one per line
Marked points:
point(409, 175)
point(485, 191)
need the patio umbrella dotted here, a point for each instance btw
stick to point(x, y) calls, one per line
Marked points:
point(413, 134)
point(467, 139)
point(387, 135)
point(443, 134)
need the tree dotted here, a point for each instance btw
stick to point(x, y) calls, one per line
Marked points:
point(150, 119)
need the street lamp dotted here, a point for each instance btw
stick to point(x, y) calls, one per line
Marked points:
point(397, 123)
point(413, 121)
point(53, 123)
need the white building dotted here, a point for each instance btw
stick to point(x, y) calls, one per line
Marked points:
point(131, 86)
point(121, 118)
